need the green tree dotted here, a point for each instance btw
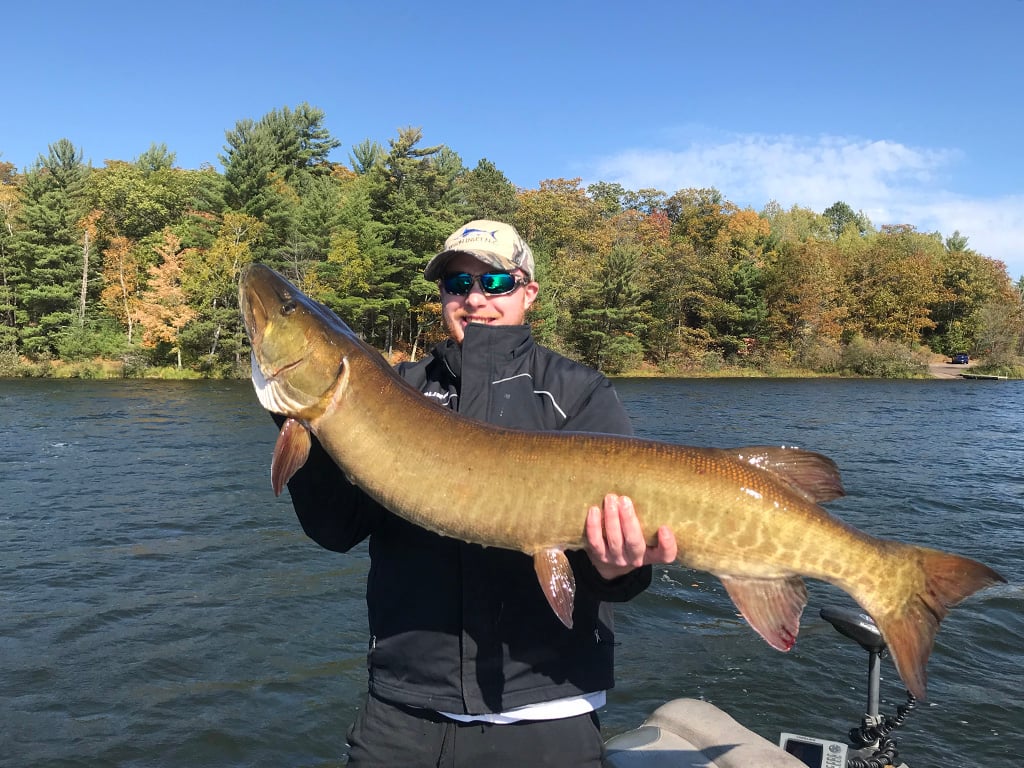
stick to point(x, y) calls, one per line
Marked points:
point(12, 278)
point(486, 193)
point(700, 217)
point(612, 313)
point(338, 275)
point(974, 290)
point(209, 279)
point(315, 218)
point(609, 197)
point(294, 144)
point(842, 218)
point(365, 155)
point(48, 246)
point(798, 224)
point(411, 212)
point(722, 251)
point(156, 158)
point(268, 166)
point(648, 230)
point(564, 228)
point(955, 313)
point(140, 198)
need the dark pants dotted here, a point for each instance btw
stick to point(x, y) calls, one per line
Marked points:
point(387, 735)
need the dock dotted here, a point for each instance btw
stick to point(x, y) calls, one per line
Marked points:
point(980, 376)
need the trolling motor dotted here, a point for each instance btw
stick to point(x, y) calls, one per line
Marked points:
point(873, 747)
point(875, 729)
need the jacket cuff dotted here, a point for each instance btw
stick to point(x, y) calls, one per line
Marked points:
point(617, 590)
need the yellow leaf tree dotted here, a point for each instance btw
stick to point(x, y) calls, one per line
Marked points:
point(121, 281)
point(163, 310)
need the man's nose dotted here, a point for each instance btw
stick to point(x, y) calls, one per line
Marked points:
point(476, 294)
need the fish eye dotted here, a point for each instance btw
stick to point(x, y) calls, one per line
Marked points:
point(288, 307)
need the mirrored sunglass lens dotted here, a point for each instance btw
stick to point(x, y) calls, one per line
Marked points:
point(458, 284)
point(497, 282)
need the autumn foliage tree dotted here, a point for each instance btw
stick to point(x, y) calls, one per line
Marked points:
point(210, 280)
point(163, 308)
point(121, 281)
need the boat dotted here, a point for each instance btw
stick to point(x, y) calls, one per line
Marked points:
point(691, 733)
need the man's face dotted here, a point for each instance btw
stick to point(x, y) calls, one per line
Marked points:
point(477, 306)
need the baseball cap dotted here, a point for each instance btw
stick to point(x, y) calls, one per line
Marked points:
point(496, 244)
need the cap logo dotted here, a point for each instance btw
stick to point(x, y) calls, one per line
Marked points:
point(470, 230)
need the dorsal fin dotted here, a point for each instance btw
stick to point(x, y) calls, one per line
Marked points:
point(812, 475)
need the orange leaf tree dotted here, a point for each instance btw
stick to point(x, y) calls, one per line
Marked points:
point(162, 310)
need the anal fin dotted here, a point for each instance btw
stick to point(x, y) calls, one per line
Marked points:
point(557, 582)
point(771, 606)
point(290, 452)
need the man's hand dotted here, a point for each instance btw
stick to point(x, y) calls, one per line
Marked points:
point(616, 543)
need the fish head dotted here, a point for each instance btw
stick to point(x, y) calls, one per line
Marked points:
point(298, 345)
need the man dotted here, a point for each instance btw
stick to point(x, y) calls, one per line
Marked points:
point(468, 664)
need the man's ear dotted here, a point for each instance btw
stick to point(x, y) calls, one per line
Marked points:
point(530, 291)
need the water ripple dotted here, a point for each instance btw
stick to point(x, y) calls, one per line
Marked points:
point(161, 607)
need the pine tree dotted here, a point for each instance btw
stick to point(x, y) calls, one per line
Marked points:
point(48, 246)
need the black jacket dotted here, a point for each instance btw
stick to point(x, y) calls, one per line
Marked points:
point(457, 627)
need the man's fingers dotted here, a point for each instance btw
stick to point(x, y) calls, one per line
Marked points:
point(595, 532)
point(666, 550)
point(616, 542)
point(613, 527)
point(634, 543)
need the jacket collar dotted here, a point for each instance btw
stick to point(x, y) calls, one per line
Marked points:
point(494, 342)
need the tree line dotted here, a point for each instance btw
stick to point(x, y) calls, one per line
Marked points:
point(138, 261)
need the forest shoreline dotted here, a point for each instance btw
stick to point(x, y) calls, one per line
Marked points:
point(99, 369)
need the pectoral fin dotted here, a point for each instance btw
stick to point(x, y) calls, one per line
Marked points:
point(290, 453)
point(557, 581)
point(771, 606)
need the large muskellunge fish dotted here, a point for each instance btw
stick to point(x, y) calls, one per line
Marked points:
point(749, 516)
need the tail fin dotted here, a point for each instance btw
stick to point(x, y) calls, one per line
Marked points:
point(910, 631)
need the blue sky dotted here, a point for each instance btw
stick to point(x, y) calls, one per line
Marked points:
point(911, 111)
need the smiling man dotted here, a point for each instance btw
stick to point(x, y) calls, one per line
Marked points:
point(502, 269)
point(468, 663)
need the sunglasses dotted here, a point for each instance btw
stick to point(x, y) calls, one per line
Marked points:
point(491, 283)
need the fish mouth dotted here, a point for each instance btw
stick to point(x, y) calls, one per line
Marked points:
point(254, 317)
point(269, 388)
point(285, 368)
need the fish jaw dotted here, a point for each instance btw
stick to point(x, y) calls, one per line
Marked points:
point(271, 392)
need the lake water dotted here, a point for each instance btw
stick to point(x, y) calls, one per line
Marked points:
point(159, 607)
